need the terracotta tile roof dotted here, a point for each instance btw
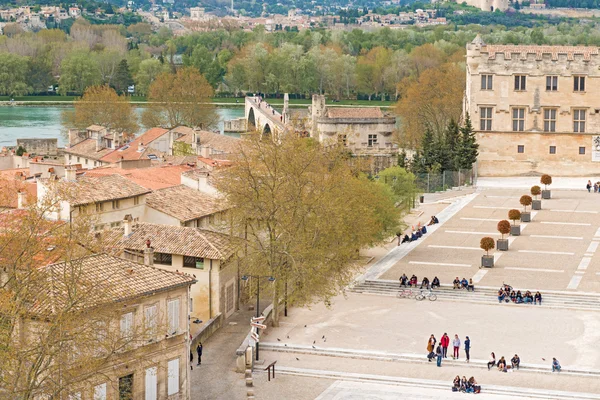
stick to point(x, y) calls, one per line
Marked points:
point(218, 142)
point(153, 178)
point(107, 279)
point(184, 203)
point(95, 128)
point(211, 162)
point(539, 51)
point(179, 240)
point(358, 112)
point(97, 189)
point(130, 150)
point(87, 148)
point(11, 182)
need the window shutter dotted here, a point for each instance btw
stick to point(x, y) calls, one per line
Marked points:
point(151, 384)
point(173, 310)
point(173, 377)
point(100, 392)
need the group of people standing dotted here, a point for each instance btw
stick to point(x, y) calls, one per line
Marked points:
point(441, 351)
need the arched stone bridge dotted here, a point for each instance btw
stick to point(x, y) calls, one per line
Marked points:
point(262, 117)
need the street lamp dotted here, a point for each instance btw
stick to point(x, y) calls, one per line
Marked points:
point(257, 277)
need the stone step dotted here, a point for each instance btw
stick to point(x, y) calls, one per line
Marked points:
point(515, 392)
point(411, 358)
point(555, 304)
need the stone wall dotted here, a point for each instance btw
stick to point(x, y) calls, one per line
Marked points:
point(39, 147)
point(563, 65)
point(235, 125)
point(499, 155)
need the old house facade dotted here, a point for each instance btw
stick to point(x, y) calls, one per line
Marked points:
point(535, 108)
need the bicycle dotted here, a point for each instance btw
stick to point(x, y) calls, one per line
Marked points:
point(429, 295)
point(405, 293)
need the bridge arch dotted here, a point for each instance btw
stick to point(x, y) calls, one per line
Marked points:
point(251, 120)
point(267, 131)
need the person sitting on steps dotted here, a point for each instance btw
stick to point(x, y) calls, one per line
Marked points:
point(403, 280)
point(435, 283)
point(515, 362)
point(501, 295)
point(456, 283)
point(413, 237)
point(471, 286)
point(492, 361)
point(464, 283)
point(519, 297)
point(406, 239)
point(413, 281)
point(425, 283)
point(433, 221)
point(537, 298)
point(502, 365)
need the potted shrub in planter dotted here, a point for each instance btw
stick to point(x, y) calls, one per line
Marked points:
point(487, 243)
point(546, 180)
point(514, 215)
point(504, 229)
point(525, 201)
point(535, 192)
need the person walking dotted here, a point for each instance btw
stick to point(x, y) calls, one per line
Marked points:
point(438, 353)
point(445, 342)
point(467, 347)
point(456, 345)
point(199, 351)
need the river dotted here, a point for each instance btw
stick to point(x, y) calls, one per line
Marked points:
point(45, 122)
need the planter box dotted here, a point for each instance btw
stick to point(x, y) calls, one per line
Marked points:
point(525, 217)
point(536, 205)
point(515, 230)
point(546, 194)
point(487, 261)
point(502, 244)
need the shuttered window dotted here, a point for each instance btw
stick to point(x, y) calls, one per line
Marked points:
point(151, 384)
point(150, 320)
point(173, 316)
point(173, 377)
point(127, 325)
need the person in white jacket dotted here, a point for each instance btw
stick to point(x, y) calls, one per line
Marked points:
point(456, 344)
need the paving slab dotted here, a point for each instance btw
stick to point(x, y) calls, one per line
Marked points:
point(381, 323)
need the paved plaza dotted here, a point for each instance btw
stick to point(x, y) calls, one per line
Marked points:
point(373, 346)
point(369, 346)
point(556, 250)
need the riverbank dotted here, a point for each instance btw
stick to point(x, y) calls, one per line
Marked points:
point(218, 101)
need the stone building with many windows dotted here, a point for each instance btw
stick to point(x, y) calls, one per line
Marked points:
point(536, 109)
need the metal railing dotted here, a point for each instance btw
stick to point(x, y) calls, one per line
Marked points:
point(439, 182)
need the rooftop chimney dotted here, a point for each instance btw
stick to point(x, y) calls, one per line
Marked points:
point(70, 173)
point(21, 200)
point(98, 141)
point(140, 147)
point(148, 254)
point(127, 225)
point(205, 151)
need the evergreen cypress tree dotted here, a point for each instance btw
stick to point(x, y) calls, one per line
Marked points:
point(122, 77)
point(428, 149)
point(468, 150)
point(452, 141)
